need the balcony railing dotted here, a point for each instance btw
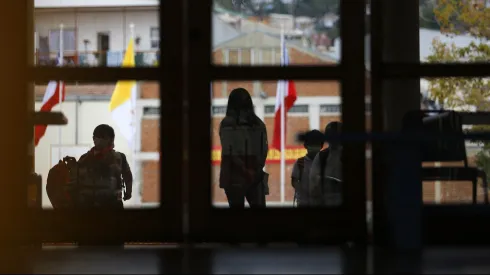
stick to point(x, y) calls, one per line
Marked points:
point(96, 58)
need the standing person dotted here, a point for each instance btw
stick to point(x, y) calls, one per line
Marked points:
point(100, 175)
point(300, 176)
point(326, 171)
point(244, 144)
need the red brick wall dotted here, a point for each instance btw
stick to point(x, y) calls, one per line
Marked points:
point(149, 89)
point(150, 135)
point(303, 88)
point(81, 89)
point(151, 179)
point(452, 191)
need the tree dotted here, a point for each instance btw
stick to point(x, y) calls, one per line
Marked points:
point(463, 17)
point(427, 18)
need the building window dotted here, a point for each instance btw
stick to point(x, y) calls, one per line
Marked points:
point(336, 108)
point(151, 112)
point(69, 40)
point(155, 37)
point(270, 109)
point(330, 108)
point(239, 56)
point(219, 110)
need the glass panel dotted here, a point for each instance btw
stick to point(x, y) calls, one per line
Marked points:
point(137, 135)
point(464, 95)
point(454, 31)
point(311, 30)
point(96, 37)
point(306, 114)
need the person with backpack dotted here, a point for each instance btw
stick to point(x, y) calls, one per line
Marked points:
point(326, 171)
point(300, 176)
point(100, 177)
point(243, 137)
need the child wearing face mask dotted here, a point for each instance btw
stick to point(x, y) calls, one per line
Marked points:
point(300, 175)
point(326, 171)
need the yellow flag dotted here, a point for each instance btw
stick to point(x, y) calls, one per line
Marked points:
point(123, 99)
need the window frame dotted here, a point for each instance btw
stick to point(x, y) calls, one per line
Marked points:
point(209, 224)
point(57, 30)
point(206, 223)
point(441, 224)
point(154, 38)
point(160, 224)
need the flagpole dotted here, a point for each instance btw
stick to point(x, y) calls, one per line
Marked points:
point(283, 113)
point(60, 92)
point(136, 194)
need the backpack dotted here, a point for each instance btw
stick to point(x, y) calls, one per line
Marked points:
point(57, 186)
point(335, 185)
point(301, 166)
point(323, 155)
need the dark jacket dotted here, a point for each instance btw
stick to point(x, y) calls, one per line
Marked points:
point(326, 189)
point(98, 180)
point(244, 151)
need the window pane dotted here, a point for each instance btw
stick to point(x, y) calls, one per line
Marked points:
point(307, 113)
point(464, 95)
point(312, 34)
point(86, 106)
point(454, 31)
point(155, 32)
point(233, 57)
point(95, 37)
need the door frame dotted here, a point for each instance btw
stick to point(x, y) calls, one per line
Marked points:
point(163, 223)
point(440, 224)
point(209, 224)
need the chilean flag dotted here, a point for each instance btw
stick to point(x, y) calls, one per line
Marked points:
point(287, 90)
point(51, 98)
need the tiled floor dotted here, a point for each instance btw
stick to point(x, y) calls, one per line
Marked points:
point(273, 260)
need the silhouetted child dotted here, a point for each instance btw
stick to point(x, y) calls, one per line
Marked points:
point(300, 177)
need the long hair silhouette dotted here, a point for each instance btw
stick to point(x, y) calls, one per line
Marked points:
point(240, 106)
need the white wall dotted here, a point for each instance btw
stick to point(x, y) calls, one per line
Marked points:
point(89, 23)
point(90, 115)
point(92, 3)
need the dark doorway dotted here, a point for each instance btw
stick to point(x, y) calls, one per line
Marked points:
point(102, 48)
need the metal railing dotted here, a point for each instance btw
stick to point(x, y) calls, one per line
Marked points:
point(96, 58)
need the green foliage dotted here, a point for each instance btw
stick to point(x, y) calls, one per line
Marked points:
point(460, 92)
point(483, 160)
point(458, 17)
point(427, 19)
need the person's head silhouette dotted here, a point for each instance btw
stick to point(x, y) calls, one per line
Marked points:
point(333, 128)
point(240, 105)
point(313, 143)
point(103, 136)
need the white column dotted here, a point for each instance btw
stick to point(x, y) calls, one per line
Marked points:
point(437, 188)
point(224, 91)
point(273, 58)
point(137, 175)
point(260, 108)
point(314, 116)
point(60, 94)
